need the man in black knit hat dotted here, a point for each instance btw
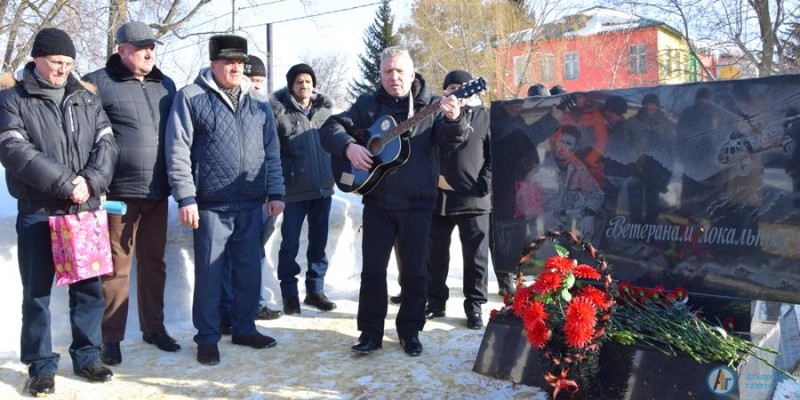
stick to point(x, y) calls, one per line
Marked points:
point(223, 164)
point(299, 112)
point(59, 153)
point(255, 70)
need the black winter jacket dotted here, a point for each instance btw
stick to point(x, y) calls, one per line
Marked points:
point(138, 113)
point(44, 146)
point(306, 166)
point(412, 185)
point(468, 171)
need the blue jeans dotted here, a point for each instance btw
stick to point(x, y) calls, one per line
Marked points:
point(318, 212)
point(86, 303)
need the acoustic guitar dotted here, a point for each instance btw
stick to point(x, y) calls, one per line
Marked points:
point(389, 146)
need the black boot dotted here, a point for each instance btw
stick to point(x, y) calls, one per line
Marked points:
point(110, 353)
point(266, 313)
point(162, 340)
point(319, 301)
point(94, 373)
point(291, 305)
point(42, 385)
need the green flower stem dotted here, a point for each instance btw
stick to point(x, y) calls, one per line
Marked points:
point(672, 330)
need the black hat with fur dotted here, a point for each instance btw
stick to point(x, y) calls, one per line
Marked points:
point(227, 47)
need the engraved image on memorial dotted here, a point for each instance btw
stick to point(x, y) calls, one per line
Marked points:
point(570, 196)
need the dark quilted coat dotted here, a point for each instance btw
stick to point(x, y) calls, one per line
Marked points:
point(218, 155)
point(135, 109)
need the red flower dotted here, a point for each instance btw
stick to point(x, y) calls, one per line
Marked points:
point(596, 296)
point(538, 334)
point(521, 300)
point(670, 298)
point(625, 288)
point(680, 293)
point(535, 319)
point(492, 313)
point(656, 293)
point(547, 282)
point(581, 318)
point(729, 323)
point(535, 311)
point(560, 264)
point(584, 271)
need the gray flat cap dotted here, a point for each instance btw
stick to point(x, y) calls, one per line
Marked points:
point(136, 33)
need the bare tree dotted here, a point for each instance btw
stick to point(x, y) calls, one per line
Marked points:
point(331, 71)
point(168, 16)
point(27, 17)
point(474, 35)
point(754, 30)
point(79, 18)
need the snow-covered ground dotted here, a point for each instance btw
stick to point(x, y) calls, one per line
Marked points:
point(312, 358)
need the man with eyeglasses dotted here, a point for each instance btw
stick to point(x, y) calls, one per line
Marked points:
point(136, 96)
point(59, 153)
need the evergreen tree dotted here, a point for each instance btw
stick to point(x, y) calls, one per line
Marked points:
point(378, 36)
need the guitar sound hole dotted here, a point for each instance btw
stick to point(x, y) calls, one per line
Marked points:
point(375, 147)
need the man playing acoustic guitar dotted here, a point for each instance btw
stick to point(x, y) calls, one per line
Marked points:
point(398, 208)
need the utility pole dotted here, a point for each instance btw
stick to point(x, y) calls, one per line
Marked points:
point(269, 59)
point(233, 16)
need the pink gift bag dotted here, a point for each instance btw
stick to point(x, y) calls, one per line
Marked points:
point(81, 248)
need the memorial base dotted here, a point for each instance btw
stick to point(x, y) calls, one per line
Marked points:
point(639, 372)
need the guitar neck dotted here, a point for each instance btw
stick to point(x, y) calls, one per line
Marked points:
point(411, 122)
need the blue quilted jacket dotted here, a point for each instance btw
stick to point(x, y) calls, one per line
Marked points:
point(216, 155)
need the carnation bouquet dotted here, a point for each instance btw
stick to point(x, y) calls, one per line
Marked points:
point(664, 321)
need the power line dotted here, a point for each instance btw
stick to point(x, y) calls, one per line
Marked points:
point(311, 16)
point(259, 5)
point(273, 22)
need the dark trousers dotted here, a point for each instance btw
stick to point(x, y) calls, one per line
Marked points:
point(222, 236)
point(407, 232)
point(473, 230)
point(86, 305)
point(318, 212)
point(227, 288)
point(143, 228)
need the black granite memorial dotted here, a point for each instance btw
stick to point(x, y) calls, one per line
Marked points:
point(691, 185)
